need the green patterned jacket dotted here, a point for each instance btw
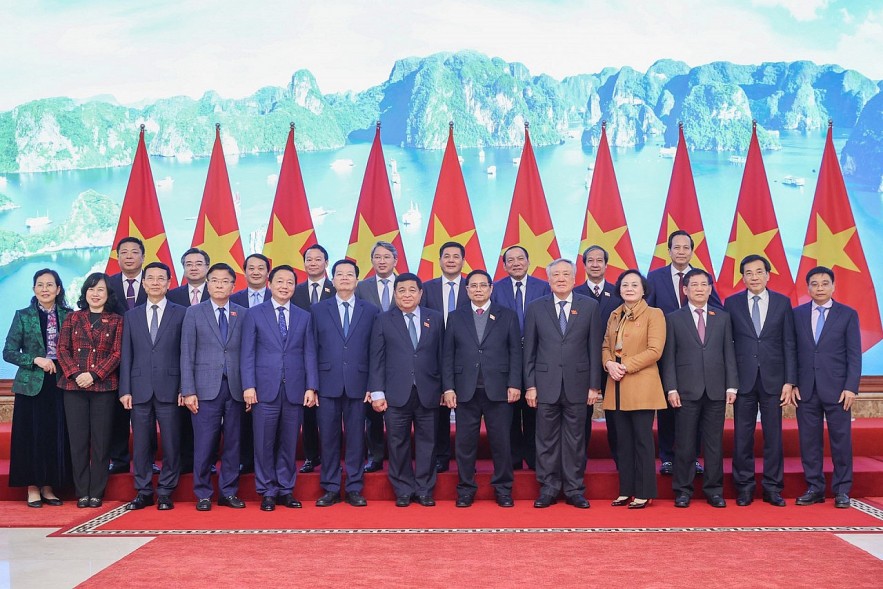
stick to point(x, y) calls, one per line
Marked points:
point(24, 342)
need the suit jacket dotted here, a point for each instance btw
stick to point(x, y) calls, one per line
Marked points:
point(240, 297)
point(343, 360)
point(661, 292)
point(497, 355)
point(608, 301)
point(24, 342)
point(573, 358)
point(301, 296)
point(691, 367)
point(834, 364)
point(396, 366)
point(83, 348)
point(149, 369)
point(435, 293)
point(269, 362)
point(204, 355)
point(181, 296)
point(774, 352)
point(504, 291)
point(367, 291)
point(118, 287)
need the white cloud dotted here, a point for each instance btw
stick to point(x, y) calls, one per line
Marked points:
point(801, 10)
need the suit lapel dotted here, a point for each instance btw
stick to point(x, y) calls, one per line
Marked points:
point(334, 313)
point(553, 314)
point(144, 327)
point(493, 312)
point(272, 324)
point(358, 311)
point(831, 318)
point(424, 327)
point(209, 312)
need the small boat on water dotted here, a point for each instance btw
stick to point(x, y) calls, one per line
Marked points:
point(185, 157)
point(2, 181)
point(794, 181)
point(394, 172)
point(516, 161)
point(165, 183)
point(668, 152)
point(279, 158)
point(481, 155)
point(492, 170)
point(38, 223)
point(737, 159)
point(412, 216)
point(341, 165)
point(272, 179)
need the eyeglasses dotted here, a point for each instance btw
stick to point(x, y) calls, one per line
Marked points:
point(478, 285)
point(221, 281)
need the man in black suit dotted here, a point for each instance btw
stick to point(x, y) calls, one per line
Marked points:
point(700, 376)
point(829, 368)
point(378, 290)
point(316, 288)
point(562, 373)
point(763, 331)
point(445, 294)
point(404, 378)
point(481, 375)
point(149, 388)
point(595, 262)
point(666, 292)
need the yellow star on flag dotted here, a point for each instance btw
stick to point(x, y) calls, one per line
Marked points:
point(218, 246)
point(828, 249)
point(440, 236)
point(285, 247)
point(747, 242)
point(151, 244)
point(661, 250)
point(536, 245)
point(360, 249)
point(606, 239)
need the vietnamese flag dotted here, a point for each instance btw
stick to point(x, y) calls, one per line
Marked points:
point(682, 212)
point(140, 216)
point(290, 229)
point(832, 240)
point(217, 230)
point(451, 218)
point(530, 224)
point(605, 223)
point(375, 218)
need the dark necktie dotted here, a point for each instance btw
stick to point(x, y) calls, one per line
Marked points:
point(755, 315)
point(562, 317)
point(154, 324)
point(452, 300)
point(597, 291)
point(681, 296)
point(283, 327)
point(700, 325)
point(384, 298)
point(519, 304)
point(412, 329)
point(222, 323)
point(346, 319)
point(314, 297)
point(820, 324)
point(130, 293)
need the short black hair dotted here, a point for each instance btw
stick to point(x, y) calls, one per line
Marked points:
point(592, 248)
point(482, 273)
point(111, 305)
point(316, 246)
point(130, 239)
point(261, 257)
point(680, 232)
point(447, 244)
point(820, 270)
point(275, 270)
point(407, 277)
point(342, 262)
point(636, 272)
point(60, 298)
point(750, 259)
point(512, 247)
point(697, 272)
point(223, 267)
point(196, 250)
point(161, 266)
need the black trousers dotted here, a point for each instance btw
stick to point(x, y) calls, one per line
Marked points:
point(744, 423)
point(375, 445)
point(705, 416)
point(443, 436)
point(145, 416)
point(89, 420)
point(523, 434)
point(310, 429)
point(561, 447)
point(637, 456)
point(419, 478)
point(812, 412)
point(612, 439)
point(497, 419)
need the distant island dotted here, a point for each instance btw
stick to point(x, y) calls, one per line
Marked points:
point(7, 204)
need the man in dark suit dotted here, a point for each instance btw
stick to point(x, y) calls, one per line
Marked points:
point(595, 262)
point(378, 290)
point(700, 376)
point(562, 373)
point(516, 292)
point(279, 379)
point(481, 376)
point(445, 294)
point(211, 386)
point(829, 367)
point(763, 332)
point(342, 325)
point(150, 379)
point(405, 381)
point(666, 292)
point(316, 288)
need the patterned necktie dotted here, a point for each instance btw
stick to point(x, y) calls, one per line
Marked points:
point(820, 324)
point(479, 311)
point(597, 291)
point(346, 319)
point(283, 326)
point(255, 299)
point(755, 315)
point(562, 317)
point(452, 300)
point(681, 296)
point(52, 335)
point(194, 296)
point(519, 304)
point(700, 326)
point(384, 298)
point(222, 323)
point(130, 293)
point(154, 323)
point(412, 329)
point(314, 297)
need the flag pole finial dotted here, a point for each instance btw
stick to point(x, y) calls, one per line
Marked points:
point(526, 125)
point(753, 124)
point(142, 127)
point(217, 127)
point(451, 125)
point(830, 123)
point(680, 125)
point(291, 125)
point(378, 124)
point(604, 125)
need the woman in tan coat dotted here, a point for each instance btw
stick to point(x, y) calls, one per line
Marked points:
point(633, 344)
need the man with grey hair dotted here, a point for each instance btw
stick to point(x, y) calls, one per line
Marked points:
point(562, 374)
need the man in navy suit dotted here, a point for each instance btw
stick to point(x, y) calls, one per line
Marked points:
point(342, 325)
point(445, 294)
point(516, 292)
point(316, 288)
point(829, 367)
point(766, 353)
point(667, 293)
point(404, 379)
point(595, 260)
point(481, 375)
point(257, 272)
point(211, 386)
point(150, 378)
point(279, 379)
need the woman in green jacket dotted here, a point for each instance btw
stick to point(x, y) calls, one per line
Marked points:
point(39, 455)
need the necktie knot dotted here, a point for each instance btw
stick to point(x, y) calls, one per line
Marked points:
point(518, 285)
point(597, 291)
point(131, 281)
point(756, 298)
point(384, 281)
point(154, 307)
point(479, 311)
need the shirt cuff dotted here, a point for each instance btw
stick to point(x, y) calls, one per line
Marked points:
point(733, 391)
point(377, 396)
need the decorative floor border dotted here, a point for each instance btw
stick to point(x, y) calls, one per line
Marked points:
point(90, 528)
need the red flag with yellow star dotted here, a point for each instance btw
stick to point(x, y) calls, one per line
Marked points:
point(140, 216)
point(290, 230)
point(217, 229)
point(530, 224)
point(605, 223)
point(375, 218)
point(755, 231)
point(682, 212)
point(832, 240)
point(451, 218)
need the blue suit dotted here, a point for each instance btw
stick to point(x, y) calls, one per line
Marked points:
point(343, 383)
point(241, 297)
point(281, 370)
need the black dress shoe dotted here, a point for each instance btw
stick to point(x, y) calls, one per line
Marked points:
point(328, 499)
point(94, 502)
point(287, 500)
point(682, 500)
point(425, 500)
point(717, 501)
point(36, 504)
point(505, 500)
point(403, 501)
point(231, 501)
point(51, 501)
point(164, 503)
point(139, 502)
point(155, 468)
point(268, 503)
point(775, 499)
point(744, 499)
point(118, 467)
point(578, 501)
point(811, 497)
point(841, 500)
point(356, 499)
point(666, 468)
point(372, 466)
point(442, 466)
point(83, 502)
point(464, 501)
point(544, 501)
point(204, 505)
point(700, 470)
point(619, 502)
point(639, 503)
point(310, 465)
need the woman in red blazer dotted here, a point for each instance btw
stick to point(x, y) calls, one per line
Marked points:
point(89, 355)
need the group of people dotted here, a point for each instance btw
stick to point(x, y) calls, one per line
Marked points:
point(375, 367)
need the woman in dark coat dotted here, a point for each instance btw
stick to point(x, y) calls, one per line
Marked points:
point(39, 455)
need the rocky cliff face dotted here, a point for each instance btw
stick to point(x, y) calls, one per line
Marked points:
point(862, 155)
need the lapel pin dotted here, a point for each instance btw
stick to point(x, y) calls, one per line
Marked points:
point(574, 312)
point(327, 289)
point(711, 312)
point(606, 294)
point(232, 313)
point(492, 317)
point(426, 324)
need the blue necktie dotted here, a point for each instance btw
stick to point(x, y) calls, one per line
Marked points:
point(222, 323)
point(314, 297)
point(452, 300)
point(820, 324)
point(283, 327)
point(154, 324)
point(755, 315)
point(384, 298)
point(519, 305)
point(412, 329)
point(346, 319)
point(255, 299)
point(562, 317)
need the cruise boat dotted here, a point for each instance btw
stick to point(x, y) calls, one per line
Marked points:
point(668, 152)
point(394, 172)
point(413, 216)
point(341, 165)
point(492, 170)
point(793, 181)
point(38, 223)
point(165, 183)
point(516, 161)
point(737, 159)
